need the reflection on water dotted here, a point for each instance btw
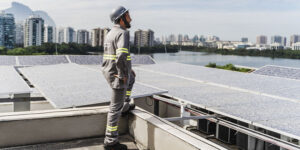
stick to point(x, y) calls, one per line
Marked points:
point(201, 58)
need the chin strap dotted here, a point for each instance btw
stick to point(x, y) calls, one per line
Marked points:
point(127, 24)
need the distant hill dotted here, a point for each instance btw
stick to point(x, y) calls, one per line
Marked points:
point(22, 12)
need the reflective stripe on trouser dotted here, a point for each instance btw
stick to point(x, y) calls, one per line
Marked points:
point(113, 116)
point(128, 92)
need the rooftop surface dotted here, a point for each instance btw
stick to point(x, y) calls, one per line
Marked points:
point(81, 144)
point(264, 100)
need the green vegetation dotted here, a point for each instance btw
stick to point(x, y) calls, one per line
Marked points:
point(228, 67)
point(293, 54)
point(50, 49)
point(155, 49)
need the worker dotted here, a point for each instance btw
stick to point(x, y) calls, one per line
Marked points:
point(117, 70)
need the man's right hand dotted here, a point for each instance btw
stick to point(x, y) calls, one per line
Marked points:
point(124, 78)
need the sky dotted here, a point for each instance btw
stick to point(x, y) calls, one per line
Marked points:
point(228, 19)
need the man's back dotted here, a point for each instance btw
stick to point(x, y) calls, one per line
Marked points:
point(115, 57)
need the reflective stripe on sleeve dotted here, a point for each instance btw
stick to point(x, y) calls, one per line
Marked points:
point(110, 128)
point(122, 50)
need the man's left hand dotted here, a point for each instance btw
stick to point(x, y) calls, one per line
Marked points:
point(133, 73)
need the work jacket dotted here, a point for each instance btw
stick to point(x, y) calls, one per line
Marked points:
point(116, 57)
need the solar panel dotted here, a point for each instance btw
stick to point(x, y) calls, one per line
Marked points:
point(97, 59)
point(86, 59)
point(289, 125)
point(68, 85)
point(142, 60)
point(42, 60)
point(278, 71)
point(199, 93)
point(7, 60)
point(246, 106)
point(242, 81)
point(11, 82)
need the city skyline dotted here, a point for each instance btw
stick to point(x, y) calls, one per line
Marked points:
point(229, 20)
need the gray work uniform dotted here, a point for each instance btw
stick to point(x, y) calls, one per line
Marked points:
point(117, 61)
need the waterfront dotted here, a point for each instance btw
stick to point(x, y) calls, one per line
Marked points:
point(201, 58)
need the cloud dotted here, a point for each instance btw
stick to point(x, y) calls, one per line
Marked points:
point(229, 19)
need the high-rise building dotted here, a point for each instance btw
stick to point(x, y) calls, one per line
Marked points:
point(186, 38)
point(49, 34)
point(19, 38)
point(164, 40)
point(60, 35)
point(296, 46)
point(284, 41)
point(34, 31)
point(172, 38)
point(202, 38)
point(278, 39)
point(294, 39)
point(195, 38)
point(262, 40)
point(7, 30)
point(244, 40)
point(66, 35)
point(83, 37)
point(69, 35)
point(213, 38)
point(150, 37)
point(144, 38)
point(180, 38)
point(98, 36)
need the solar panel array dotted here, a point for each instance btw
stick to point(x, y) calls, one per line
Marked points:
point(86, 59)
point(42, 60)
point(278, 71)
point(11, 82)
point(142, 60)
point(273, 86)
point(7, 60)
point(69, 85)
point(63, 59)
point(97, 59)
point(196, 88)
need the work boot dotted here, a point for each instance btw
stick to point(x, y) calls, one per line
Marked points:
point(117, 146)
point(131, 107)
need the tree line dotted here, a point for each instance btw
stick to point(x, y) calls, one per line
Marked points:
point(293, 54)
point(84, 49)
point(51, 49)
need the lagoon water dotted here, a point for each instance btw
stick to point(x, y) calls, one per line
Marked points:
point(202, 58)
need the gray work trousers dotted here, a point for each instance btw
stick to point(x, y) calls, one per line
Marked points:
point(119, 103)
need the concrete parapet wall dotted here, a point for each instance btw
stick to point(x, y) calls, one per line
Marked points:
point(41, 105)
point(52, 126)
point(151, 132)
